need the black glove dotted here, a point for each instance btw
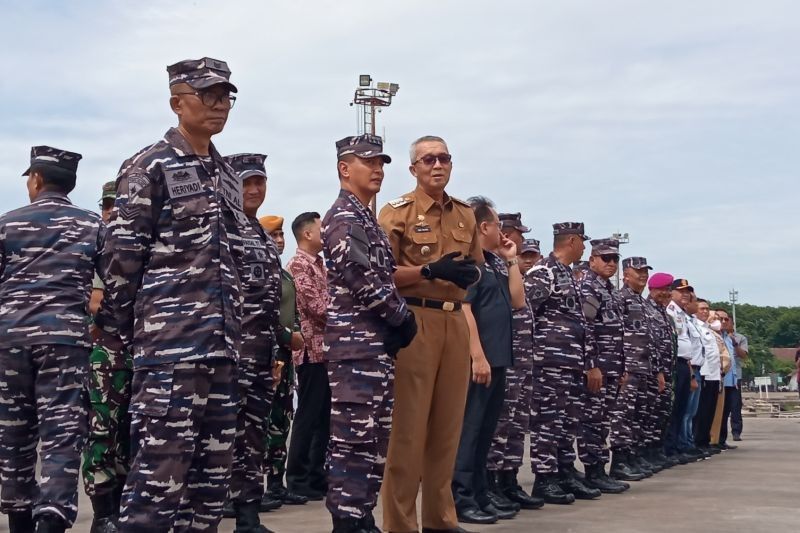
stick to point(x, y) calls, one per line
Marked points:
point(463, 272)
point(401, 336)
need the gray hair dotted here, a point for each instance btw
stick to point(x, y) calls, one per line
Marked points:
point(425, 138)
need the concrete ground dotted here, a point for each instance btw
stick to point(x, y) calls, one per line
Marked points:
point(754, 488)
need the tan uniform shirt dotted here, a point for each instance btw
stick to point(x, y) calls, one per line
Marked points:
point(421, 231)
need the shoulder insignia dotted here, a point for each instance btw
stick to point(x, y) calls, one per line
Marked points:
point(400, 202)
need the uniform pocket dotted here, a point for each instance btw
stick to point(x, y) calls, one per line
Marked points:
point(153, 390)
point(191, 227)
point(424, 247)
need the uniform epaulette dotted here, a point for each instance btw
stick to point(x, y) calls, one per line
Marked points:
point(462, 202)
point(400, 202)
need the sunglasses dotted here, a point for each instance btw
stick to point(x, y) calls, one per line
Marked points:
point(430, 160)
point(609, 258)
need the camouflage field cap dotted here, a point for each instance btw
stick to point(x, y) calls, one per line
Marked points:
point(570, 228)
point(530, 245)
point(109, 191)
point(512, 221)
point(581, 266)
point(47, 156)
point(271, 223)
point(365, 146)
point(635, 262)
point(200, 73)
point(247, 165)
point(605, 246)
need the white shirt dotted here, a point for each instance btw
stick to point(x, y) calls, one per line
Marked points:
point(711, 366)
point(696, 337)
point(681, 320)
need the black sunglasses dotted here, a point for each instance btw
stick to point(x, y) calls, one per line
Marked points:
point(430, 160)
point(609, 258)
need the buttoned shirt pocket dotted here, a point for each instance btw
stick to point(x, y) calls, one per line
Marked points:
point(463, 241)
point(191, 223)
point(424, 247)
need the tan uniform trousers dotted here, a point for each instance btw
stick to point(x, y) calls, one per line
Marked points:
point(431, 378)
point(716, 425)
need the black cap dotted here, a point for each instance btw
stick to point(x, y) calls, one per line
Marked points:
point(512, 221)
point(365, 146)
point(47, 156)
point(681, 284)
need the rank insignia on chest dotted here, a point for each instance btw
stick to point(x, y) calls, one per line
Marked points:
point(422, 228)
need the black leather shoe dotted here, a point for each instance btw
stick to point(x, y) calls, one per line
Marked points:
point(621, 470)
point(501, 514)
point(368, 523)
point(596, 478)
point(724, 446)
point(576, 487)
point(309, 494)
point(713, 450)
point(501, 502)
point(282, 494)
point(737, 438)
point(473, 515)
point(268, 503)
point(348, 525)
point(516, 494)
point(547, 488)
point(50, 523)
point(108, 524)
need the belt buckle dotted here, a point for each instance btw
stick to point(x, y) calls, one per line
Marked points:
point(448, 306)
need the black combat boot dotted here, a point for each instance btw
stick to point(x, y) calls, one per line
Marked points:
point(50, 523)
point(368, 523)
point(106, 513)
point(247, 520)
point(277, 491)
point(268, 503)
point(596, 478)
point(348, 525)
point(637, 463)
point(621, 470)
point(20, 521)
point(642, 454)
point(546, 486)
point(570, 483)
point(496, 496)
point(514, 492)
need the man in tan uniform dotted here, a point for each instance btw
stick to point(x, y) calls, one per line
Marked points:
point(434, 240)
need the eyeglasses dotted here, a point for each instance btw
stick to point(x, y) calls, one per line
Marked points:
point(609, 258)
point(210, 99)
point(430, 160)
point(725, 319)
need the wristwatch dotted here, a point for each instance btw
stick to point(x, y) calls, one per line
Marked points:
point(426, 272)
point(512, 262)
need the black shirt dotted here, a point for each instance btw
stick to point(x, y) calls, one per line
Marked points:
point(490, 299)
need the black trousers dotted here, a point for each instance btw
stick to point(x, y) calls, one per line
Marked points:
point(682, 388)
point(736, 410)
point(305, 467)
point(705, 413)
point(731, 393)
point(482, 411)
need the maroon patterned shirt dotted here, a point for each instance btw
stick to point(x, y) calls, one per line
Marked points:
point(310, 278)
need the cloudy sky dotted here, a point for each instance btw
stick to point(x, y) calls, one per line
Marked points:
point(677, 122)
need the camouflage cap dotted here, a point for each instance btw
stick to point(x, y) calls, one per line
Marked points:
point(530, 245)
point(200, 73)
point(635, 262)
point(512, 221)
point(605, 246)
point(365, 146)
point(247, 165)
point(580, 266)
point(570, 228)
point(681, 284)
point(271, 223)
point(109, 191)
point(47, 156)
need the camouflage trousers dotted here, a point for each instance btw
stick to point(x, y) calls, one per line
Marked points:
point(663, 412)
point(650, 434)
point(42, 404)
point(361, 418)
point(630, 414)
point(508, 443)
point(106, 458)
point(255, 393)
point(595, 422)
point(278, 424)
point(555, 413)
point(183, 423)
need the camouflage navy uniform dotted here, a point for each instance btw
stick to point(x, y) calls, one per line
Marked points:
point(260, 274)
point(363, 311)
point(632, 412)
point(49, 252)
point(106, 457)
point(173, 296)
point(602, 306)
point(561, 355)
point(665, 344)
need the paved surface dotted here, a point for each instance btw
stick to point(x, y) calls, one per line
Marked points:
point(752, 489)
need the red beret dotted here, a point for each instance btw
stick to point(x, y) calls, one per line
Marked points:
point(660, 280)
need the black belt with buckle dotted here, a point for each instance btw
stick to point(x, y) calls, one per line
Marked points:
point(433, 304)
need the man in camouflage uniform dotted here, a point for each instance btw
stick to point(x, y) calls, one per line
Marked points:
point(508, 444)
point(281, 410)
point(173, 298)
point(367, 323)
point(106, 457)
point(261, 286)
point(49, 252)
point(631, 414)
point(564, 363)
point(602, 306)
point(663, 333)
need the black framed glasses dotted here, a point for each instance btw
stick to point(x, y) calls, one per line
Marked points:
point(431, 159)
point(210, 99)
